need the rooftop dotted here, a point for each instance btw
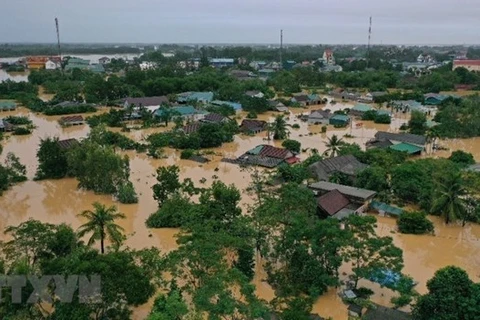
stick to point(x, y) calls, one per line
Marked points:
point(346, 190)
point(346, 164)
point(406, 147)
point(332, 202)
point(251, 124)
point(466, 62)
point(340, 117)
point(68, 143)
point(214, 117)
point(71, 119)
point(402, 137)
point(147, 101)
point(362, 107)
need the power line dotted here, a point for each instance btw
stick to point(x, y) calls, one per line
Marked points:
point(369, 39)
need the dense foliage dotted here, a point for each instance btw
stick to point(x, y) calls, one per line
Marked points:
point(414, 223)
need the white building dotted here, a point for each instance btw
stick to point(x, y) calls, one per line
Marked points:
point(50, 65)
point(146, 65)
point(168, 54)
point(328, 57)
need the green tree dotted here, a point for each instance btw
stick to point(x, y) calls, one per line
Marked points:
point(372, 178)
point(418, 123)
point(167, 114)
point(292, 145)
point(52, 160)
point(168, 183)
point(333, 145)
point(367, 251)
point(279, 128)
point(97, 167)
point(450, 197)
point(126, 193)
point(414, 223)
point(101, 224)
point(462, 158)
point(451, 295)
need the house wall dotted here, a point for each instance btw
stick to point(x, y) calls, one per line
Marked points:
point(475, 68)
point(322, 121)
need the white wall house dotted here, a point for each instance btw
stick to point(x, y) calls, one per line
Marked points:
point(50, 65)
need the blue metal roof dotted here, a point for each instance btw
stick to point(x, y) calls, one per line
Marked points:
point(234, 105)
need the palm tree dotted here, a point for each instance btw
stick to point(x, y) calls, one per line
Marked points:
point(451, 198)
point(101, 223)
point(333, 146)
point(279, 128)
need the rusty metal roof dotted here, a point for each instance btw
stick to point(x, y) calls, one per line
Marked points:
point(332, 202)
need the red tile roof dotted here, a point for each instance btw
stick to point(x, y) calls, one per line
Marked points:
point(466, 62)
point(214, 117)
point(71, 119)
point(68, 143)
point(274, 152)
point(192, 128)
point(332, 202)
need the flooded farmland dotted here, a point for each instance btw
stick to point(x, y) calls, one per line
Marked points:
point(59, 201)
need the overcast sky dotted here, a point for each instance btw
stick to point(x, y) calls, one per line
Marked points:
point(242, 21)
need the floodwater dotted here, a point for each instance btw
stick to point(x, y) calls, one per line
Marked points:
point(57, 201)
point(14, 76)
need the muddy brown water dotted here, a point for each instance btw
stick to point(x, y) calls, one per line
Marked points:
point(58, 201)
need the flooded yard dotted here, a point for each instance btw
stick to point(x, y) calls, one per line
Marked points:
point(59, 201)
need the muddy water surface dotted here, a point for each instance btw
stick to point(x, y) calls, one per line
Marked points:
point(57, 201)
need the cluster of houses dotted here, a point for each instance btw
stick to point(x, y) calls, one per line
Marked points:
point(55, 62)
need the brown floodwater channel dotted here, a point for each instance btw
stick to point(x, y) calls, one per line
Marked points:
point(59, 201)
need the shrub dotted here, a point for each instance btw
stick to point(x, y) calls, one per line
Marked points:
point(126, 193)
point(20, 131)
point(296, 126)
point(292, 145)
point(187, 154)
point(414, 223)
point(18, 120)
point(462, 158)
point(172, 214)
point(324, 129)
point(383, 118)
point(251, 115)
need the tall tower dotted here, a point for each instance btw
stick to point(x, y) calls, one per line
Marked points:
point(369, 39)
point(281, 48)
point(58, 38)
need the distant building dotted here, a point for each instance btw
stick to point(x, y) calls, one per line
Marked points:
point(71, 120)
point(347, 165)
point(104, 60)
point(188, 113)
point(359, 109)
point(306, 99)
point(267, 156)
point(470, 65)
point(6, 126)
point(235, 105)
point(318, 117)
point(202, 97)
point(331, 68)
point(339, 120)
point(7, 105)
point(252, 126)
point(214, 118)
point(150, 103)
point(168, 54)
point(146, 65)
point(406, 142)
point(222, 62)
point(36, 62)
point(255, 94)
point(328, 57)
point(77, 63)
point(257, 65)
point(52, 65)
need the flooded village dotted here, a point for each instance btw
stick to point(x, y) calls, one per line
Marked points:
point(309, 122)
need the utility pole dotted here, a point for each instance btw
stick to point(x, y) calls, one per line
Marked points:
point(58, 42)
point(369, 39)
point(281, 49)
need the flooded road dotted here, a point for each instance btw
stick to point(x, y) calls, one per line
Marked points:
point(57, 201)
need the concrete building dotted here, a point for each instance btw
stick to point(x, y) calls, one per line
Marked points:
point(470, 65)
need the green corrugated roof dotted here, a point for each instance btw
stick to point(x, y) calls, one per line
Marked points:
point(362, 107)
point(340, 117)
point(7, 104)
point(406, 147)
point(380, 206)
point(256, 150)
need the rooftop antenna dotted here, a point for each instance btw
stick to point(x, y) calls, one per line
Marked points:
point(58, 42)
point(369, 38)
point(281, 48)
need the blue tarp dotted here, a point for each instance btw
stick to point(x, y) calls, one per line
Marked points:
point(391, 279)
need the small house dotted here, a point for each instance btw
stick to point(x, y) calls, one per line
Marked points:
point(71, 120)
point(359, 109)
point(214, 118)
point(254, 94)
point(339, 120)
point(67, 143)
point(202, 97)
point(7, 105)
point(267, 156)
point(104, 60)
point(306, 100)
point(277, 106)
point(434, 99)
point(252, 126)
point(408, 142)
point(236, 106)
point(222, 62)
point(188, 113)
point(360, 198)
point(319, 117)
point(6, 126)
point(150, 103)
point(266, 73)
point(191, 128)
point(354, 310)
point(334, 204)
point(52, 65)
point(347, 165)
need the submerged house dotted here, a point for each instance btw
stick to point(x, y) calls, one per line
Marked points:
point(434, 99)
point(214, 118)
point(347, 165)
point(188, 113)
point(202, 97)
point(306, 99)
point(7, 105)
point(71, 120)
point(359, 109)
point(319, 117)
point(340, 201)
point(267, 156)
point(339, 120)
point(235, 105)
point(413, 144)
point(253, 126)
point(6, 126)
point(150, 103)
point(67, 143)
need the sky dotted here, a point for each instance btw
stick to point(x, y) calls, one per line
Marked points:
point(242, 21)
